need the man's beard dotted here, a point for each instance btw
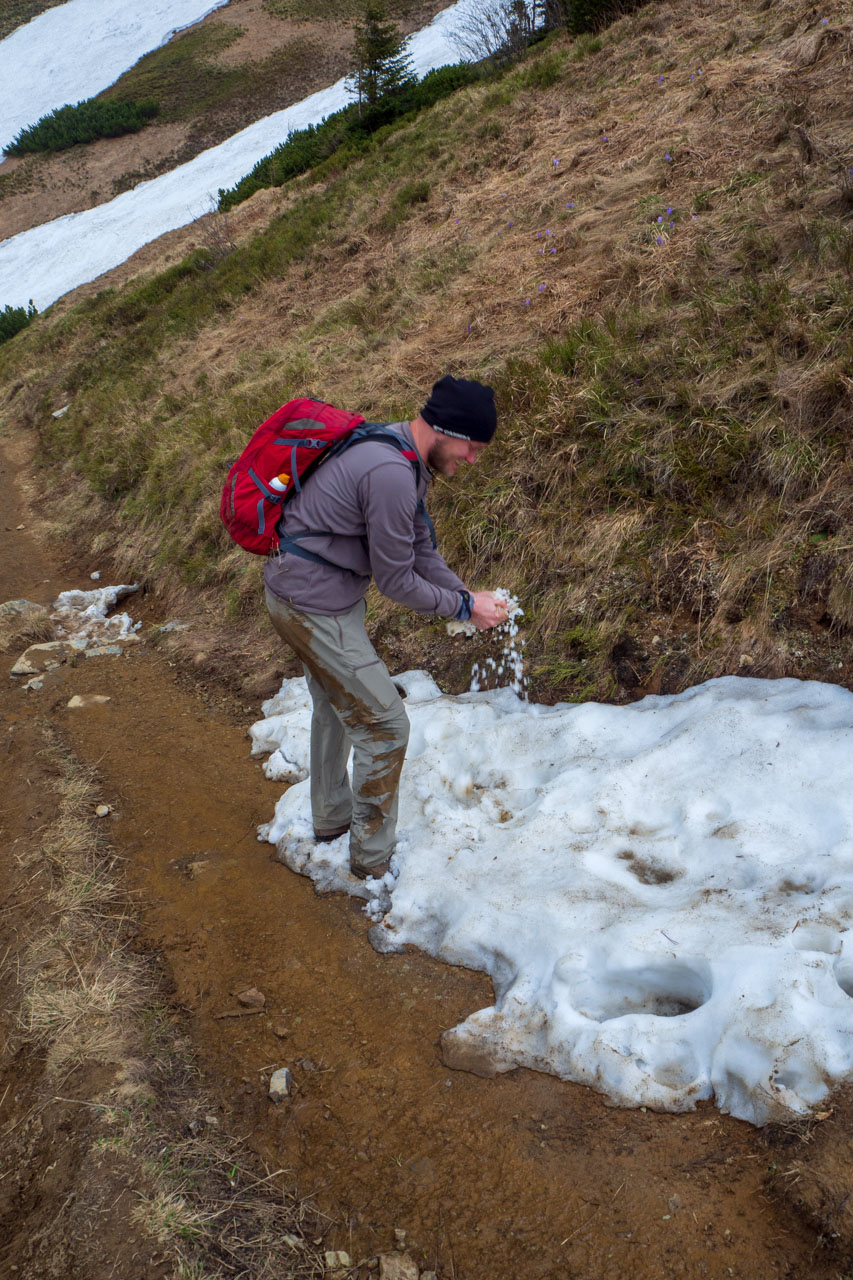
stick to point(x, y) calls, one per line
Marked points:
point(440, 458)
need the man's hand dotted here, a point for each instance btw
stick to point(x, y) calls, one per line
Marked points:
point(489, 610)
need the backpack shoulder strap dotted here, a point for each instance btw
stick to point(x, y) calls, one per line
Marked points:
point(379, 431)
point(367, 431)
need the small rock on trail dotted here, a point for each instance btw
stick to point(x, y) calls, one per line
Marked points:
point(281, 1084)
point(397, 1266)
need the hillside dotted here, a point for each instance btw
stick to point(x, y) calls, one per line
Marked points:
point(241, 63)
point(643, 240)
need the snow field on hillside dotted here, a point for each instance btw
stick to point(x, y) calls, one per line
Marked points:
point(660, 892)
point(47, 261)
point(77, 49)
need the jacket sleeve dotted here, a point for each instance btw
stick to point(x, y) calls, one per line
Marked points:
point(429, 563)
point(404, 569)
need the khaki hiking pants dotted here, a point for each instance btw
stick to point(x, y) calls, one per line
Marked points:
point(356, 707)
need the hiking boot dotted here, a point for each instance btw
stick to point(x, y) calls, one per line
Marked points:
point(376, 872)
point(326, 837)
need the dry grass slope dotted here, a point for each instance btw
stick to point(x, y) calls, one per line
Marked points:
point(645, 242)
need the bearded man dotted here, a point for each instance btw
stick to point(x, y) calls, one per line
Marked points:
point(365, 515)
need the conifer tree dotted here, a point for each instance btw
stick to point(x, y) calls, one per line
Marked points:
point(382, 63)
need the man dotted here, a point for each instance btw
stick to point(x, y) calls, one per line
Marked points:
point(363, 514)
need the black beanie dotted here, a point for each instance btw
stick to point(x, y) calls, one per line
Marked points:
point(461, 408)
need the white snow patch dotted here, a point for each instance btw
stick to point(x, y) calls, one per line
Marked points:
point(661, 892)
point(77, 49)
point(47, 261)
point(84, 614)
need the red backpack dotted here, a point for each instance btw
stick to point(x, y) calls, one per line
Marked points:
point(284, 451)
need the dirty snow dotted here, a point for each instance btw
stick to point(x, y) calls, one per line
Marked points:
point(74, 51)
point(660, 892)
point(88, 614)
point(45, 262)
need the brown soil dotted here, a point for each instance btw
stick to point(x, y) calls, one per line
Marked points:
point(521, 1175)
point(38, 188)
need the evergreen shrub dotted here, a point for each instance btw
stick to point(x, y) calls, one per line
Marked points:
point(88, 120)
point(346, 131)
point(14, 319)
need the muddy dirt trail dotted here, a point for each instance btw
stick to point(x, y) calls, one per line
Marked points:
point(522, 1175)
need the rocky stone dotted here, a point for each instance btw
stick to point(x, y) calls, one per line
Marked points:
point(461, 1054)
point(88, 700)
point(397, 1266)
point(252, 998)
point(22, 609)
point(281, 1084)
point(104, 651)
point(35, 684)
point(103, 811)
point(399, 1238)
point(279, 1029)
point(337, 1262)
point(42, 657)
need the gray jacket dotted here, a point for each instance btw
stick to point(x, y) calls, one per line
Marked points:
point(368, 499)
